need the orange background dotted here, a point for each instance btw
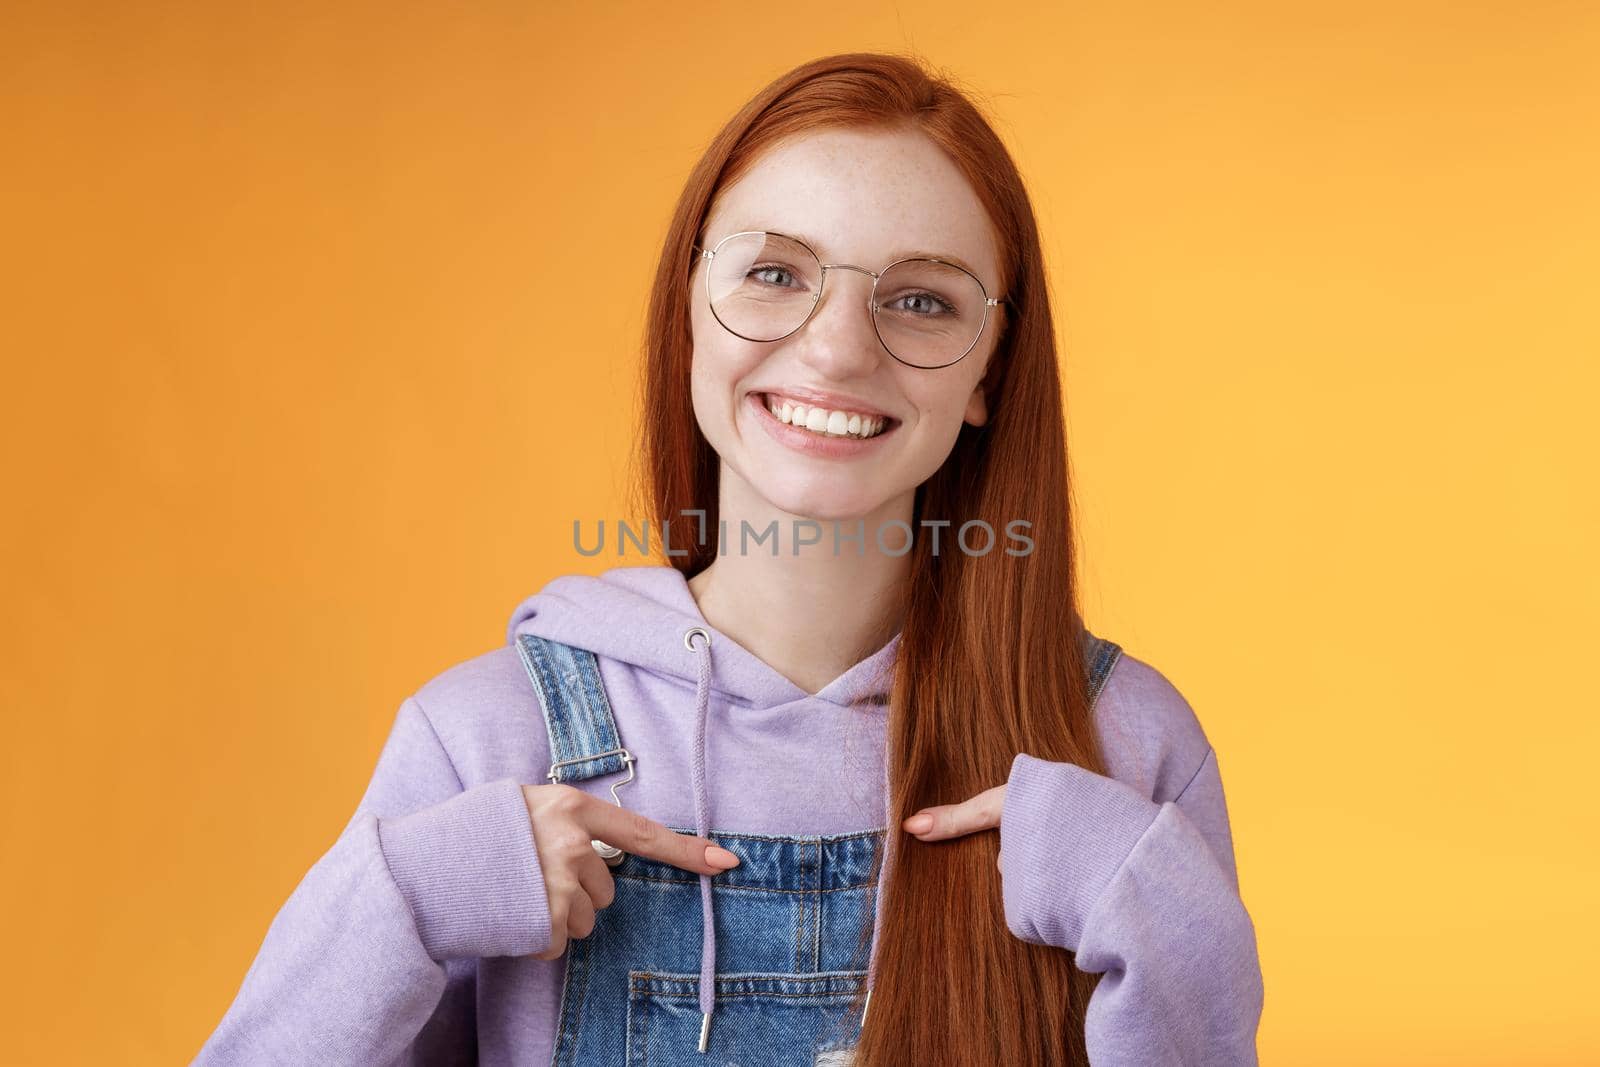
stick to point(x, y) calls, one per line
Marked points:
point(320, 331)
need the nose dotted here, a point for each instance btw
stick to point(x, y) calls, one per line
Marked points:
point(839, 340)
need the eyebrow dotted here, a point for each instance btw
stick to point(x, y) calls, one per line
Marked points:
point(896, 257)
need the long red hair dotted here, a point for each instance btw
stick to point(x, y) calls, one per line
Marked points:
point(989, 662)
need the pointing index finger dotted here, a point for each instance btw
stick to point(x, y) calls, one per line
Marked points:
point(633, 832)
point(980, 812)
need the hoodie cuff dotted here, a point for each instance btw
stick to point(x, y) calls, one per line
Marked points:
point(1064, 832)
point(469, 870)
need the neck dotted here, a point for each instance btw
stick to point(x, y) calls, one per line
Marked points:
point(811, 616)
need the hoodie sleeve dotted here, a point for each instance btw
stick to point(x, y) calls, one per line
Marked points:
point(1144, 894)
point(372, 958)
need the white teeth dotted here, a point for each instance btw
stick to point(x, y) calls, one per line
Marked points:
point(825, 420)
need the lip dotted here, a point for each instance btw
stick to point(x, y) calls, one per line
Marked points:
point(811, 443)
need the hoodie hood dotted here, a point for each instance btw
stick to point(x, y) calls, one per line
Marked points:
point(647, 616)
point(639, 615)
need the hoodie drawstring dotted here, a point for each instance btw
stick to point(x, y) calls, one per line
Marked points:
point(702, 816)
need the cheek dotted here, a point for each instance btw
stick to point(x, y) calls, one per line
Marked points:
point(709, 394)
point(718, 368)
point(940, 406)
point(720, 357)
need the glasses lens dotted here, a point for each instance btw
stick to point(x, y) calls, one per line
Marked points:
point(763, 285)
point(929, 313)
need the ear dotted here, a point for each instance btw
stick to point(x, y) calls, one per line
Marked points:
point(977, 412)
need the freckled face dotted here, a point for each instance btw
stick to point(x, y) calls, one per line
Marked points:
point(865, 198)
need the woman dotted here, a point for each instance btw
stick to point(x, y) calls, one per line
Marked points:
point(849, 326)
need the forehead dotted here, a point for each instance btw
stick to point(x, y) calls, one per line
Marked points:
point(866, 197)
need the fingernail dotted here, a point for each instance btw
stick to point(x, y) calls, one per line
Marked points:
point(720, 857)
point(919, 823)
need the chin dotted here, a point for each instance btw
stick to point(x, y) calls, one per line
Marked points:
point(821, 503)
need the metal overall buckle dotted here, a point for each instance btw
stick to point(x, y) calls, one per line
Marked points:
point(611, 855)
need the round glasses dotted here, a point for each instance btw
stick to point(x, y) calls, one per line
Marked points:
point(763, 286)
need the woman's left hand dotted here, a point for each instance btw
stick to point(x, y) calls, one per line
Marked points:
point(942, 821)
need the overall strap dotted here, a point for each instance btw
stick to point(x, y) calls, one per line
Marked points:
point(1101, 655)
point(583, 732)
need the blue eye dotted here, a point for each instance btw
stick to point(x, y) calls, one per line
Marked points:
point(770, 269)
point(931, 304)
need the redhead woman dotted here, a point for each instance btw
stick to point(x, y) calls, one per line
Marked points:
point(846, 780)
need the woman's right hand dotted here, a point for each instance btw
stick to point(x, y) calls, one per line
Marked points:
point(576, 880)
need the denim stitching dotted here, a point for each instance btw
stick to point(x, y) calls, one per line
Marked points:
point(817, 909)
point(567, 737)
point(728, 887)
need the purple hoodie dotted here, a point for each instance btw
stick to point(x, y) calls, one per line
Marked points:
point(411, 939)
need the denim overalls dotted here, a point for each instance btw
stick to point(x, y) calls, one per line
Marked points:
point(783, 955)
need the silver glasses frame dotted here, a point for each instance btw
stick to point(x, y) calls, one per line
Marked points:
point(703, 253)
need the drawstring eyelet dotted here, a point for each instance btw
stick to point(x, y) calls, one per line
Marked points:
point(689, 634)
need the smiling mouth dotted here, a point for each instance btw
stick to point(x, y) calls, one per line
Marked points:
point(827, 422)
